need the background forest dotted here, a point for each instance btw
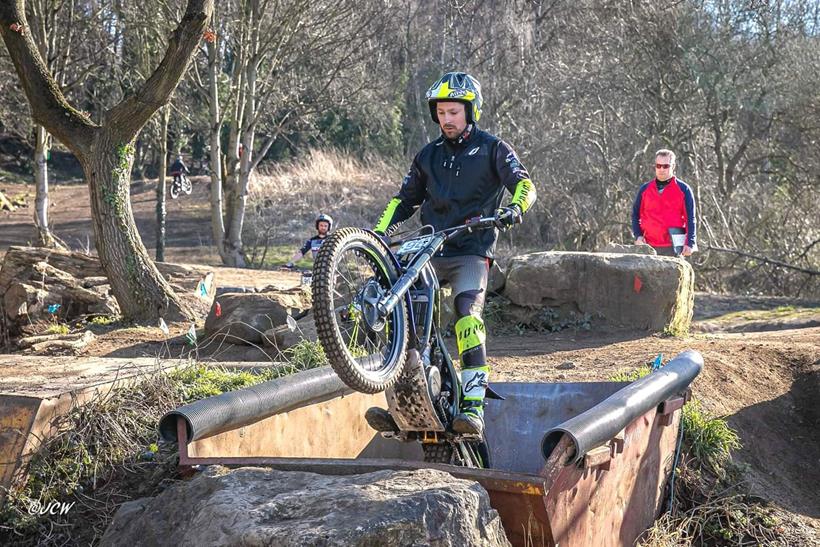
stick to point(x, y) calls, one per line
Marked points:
point(585, 91)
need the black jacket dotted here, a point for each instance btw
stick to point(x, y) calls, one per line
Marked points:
point(454, 181)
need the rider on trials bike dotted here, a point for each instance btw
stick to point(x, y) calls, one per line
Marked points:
point(181, 182)
point(323, 225)
point(459, 176)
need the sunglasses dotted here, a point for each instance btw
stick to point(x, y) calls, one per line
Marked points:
point(662, 166)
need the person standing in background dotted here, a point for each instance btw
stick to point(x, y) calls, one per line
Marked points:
point(664, 210)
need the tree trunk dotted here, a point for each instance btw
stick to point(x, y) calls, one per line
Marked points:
point(43, 235)
point(241, 172)
point(232, 241)
point(140, 290)
point(217, 222)
point(162, 167)
point(139, 160)
point(233, 244)
point(106, 152)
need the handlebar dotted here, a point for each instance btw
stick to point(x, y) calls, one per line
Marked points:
point(476, 223)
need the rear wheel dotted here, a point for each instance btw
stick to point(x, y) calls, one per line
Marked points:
point(174, 189)
point(462, 453)
point(350, 274)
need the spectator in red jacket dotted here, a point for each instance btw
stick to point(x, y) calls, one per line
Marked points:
point(665, 206)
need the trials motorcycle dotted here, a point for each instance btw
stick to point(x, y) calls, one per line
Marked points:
point(377, 315)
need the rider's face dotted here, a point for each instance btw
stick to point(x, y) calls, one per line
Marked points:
point(322, 227)
point(452, 117)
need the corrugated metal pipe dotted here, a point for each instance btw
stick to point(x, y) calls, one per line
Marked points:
point(605, 420)
point(234, 409)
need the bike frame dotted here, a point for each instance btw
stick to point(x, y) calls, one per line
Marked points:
point(414, 268)
point(418, 286)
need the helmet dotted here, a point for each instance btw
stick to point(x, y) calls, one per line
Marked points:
point(324, 218)
point(456, 86)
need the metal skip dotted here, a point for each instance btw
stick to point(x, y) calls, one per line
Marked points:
point(574, 463)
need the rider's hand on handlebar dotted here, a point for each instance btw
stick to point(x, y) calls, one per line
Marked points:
point(506, 217)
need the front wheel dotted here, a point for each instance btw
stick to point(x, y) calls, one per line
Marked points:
point(174, 189)
point(351, 273)
point(187, 187)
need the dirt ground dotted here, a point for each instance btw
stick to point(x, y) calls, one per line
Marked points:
point(761, 372)
point(765, 383)
point(187, 226)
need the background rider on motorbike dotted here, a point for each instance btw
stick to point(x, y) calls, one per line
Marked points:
point(461, 175)
point(324, 224)
point(179, 168)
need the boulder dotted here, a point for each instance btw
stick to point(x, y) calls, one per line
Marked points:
point(627, 249)
point(34, 279)
point(292, 333)
point(644, 292)
point(497, 278)
point(255, 506)
point(245, 317)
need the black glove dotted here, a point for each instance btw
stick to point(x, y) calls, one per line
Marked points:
point(506, 217)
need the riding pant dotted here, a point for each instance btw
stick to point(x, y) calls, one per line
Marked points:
point(468, 276)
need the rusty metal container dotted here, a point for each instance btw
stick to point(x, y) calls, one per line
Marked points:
point(572, 463)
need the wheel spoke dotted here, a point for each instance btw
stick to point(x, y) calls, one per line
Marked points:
point(347, 283)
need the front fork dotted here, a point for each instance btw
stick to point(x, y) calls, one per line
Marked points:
point(410, 276)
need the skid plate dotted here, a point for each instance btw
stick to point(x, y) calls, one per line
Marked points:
point(409, 400)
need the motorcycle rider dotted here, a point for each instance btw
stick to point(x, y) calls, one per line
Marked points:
point(461, 175)
point(178, 169)
point(323, 224)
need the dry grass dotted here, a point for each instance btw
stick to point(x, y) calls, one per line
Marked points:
point(107, 451)
point(712, 505)
point(353, 191)
point(284, 201)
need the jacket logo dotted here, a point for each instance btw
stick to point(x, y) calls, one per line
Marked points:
point(473, 151)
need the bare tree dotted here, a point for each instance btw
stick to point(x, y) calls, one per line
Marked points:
point(286, 57)
point(106, 153)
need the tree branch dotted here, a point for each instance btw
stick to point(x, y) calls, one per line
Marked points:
point(49, 107)
point(128, 117)
point(764, 259)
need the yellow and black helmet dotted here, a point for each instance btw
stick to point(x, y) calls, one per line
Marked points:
point(456, 86)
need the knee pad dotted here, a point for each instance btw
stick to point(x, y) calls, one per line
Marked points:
point(470, 337)
point(469, 303)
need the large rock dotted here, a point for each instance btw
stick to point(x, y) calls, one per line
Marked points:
point(628, 249)
point(245, 317)
point(644, 292)
point(496, 279)
point(253, 506)
point(287, 336)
